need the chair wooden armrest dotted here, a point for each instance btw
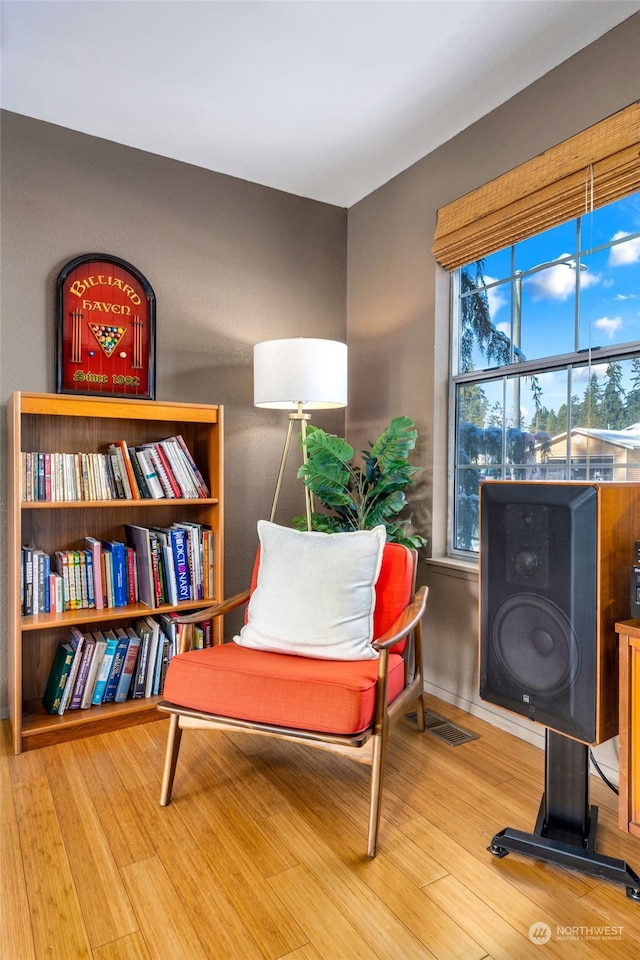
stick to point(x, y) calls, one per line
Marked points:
point(406, 622)
point(217, 610)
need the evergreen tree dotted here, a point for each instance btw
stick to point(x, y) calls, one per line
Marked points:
point(477, 327)
point(589, 413)
point(612, 408)
point(632, 411)
point(472, 405)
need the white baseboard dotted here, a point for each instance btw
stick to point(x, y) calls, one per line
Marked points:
point(606, 754)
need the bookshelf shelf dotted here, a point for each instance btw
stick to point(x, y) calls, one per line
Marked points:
point(53, 423)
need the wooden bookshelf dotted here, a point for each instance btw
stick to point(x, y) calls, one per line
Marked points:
point(54, 423)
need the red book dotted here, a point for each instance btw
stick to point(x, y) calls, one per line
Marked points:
point(164, 470)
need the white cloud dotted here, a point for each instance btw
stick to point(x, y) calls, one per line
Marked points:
point(558, 282)
point(608, 325)
point(625, 296)
point(496, 299)
point(624, 253)
point(585, 373)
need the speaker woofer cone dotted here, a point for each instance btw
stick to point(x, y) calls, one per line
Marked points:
point(535, 645)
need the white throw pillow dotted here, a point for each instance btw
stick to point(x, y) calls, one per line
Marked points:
point(315, 594)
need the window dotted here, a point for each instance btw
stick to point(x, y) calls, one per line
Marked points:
point(545, 265)
point(546, 369)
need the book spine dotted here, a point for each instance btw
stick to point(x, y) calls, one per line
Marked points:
point(128, 670)
point(77, 642)
point(83, 674)
point(204, 489)
point(105, 670)
point(27, 563)
point(181, 562)
point(96, 662)
point(117, 666)
point(58, 677)
point(140, 681)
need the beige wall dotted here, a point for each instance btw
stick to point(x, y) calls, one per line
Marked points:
point(398, 312)
point(231, 263)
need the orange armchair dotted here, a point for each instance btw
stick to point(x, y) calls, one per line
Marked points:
point(343, 705)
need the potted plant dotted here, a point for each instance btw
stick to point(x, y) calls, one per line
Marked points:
point(360, 496)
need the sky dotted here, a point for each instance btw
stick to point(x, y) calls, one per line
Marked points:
point(608, 292)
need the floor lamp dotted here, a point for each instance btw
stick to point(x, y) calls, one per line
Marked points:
point(299, 375)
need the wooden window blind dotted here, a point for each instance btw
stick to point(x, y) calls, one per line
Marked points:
point(589, 170)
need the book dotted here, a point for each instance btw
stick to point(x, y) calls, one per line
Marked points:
point(117, 665)
point(76, 640)
point(154, 626)
point(139, 475)
point(56, 593)
point(94, 547)
point(169, 484)
point(180, 468)
point(62, 567)
point(166, 555)
point(121, 482)
point(142, 666)
point(132, 575)
point(28, 583)
point(138, 538)
point(41, 570)
point(150, 473)
point(157, 567)
point(204, 489)
point(105, 667)
point(83, 672)
point(129, 668)
point(96, 662)
point(181, 548)
point(58, 677)
point(107, 578)
point(127, 476)
point(118, 570)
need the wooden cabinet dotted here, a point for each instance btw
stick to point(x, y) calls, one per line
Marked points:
point(66, 424)
point(629, 778)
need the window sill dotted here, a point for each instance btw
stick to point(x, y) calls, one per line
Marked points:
point(455, 567)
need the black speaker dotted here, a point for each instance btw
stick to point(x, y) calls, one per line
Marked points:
point(553, 581)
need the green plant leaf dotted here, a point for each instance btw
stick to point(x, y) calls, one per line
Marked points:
point(360, 497)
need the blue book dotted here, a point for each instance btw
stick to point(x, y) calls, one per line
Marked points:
point(119, 571)
point(129, 668)
point(117, 666)
point(180, 550)
point(105, 667)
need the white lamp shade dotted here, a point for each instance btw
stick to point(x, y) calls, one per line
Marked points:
point(300, 370)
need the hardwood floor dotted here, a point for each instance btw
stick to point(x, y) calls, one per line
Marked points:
point(262, 854)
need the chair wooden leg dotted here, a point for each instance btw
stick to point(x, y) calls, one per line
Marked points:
point(375, 807)
point(171, 759)
point(420, 712)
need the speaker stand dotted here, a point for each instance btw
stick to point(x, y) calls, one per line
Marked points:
point(565, 831)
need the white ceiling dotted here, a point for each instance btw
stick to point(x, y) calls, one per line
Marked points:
point(326, 99)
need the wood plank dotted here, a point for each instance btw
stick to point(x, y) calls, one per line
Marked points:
point(325, 925)
point(57, 921)
point(168, 933)
point(347, 886)
point(16, 939)
point(105, 906)
point(203, 900)
point(112, 797)
point(131, 947)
